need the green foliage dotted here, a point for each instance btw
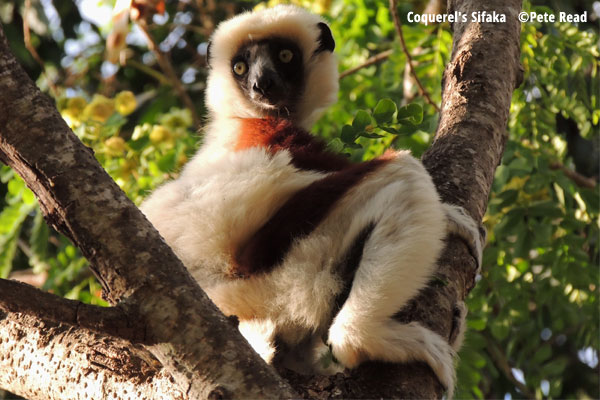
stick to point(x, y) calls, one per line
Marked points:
point(385, 126)
point(537, 300)
point(535, 309)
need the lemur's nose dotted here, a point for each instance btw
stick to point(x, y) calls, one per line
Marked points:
point(264, 82)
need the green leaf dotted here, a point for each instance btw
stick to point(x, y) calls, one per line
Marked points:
point(555, 367)
point(521, 165)
point(12, 216)
point(545, 209)
point(8, 250)
point(348, 135)
point(508, 198)
point(384, 111)
point(500, 329)
point(361, 121)
point(542, 354)
point(411, 113)
point(28, 197)
point(370, 135)
point(38, 239)
point(139, 144)
point(510, 223)
point(391, 130)
point(116, 120)
point(167, 162)
point(336, 145)
point(15, 186)
point(477, 324)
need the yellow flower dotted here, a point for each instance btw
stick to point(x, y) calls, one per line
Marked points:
point(159, 134)
point(100, 108)
point(75, 105)
point(125, 102)
point(115, 146)
point(70, 118)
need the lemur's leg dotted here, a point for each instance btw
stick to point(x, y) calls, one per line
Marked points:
point(398, 260)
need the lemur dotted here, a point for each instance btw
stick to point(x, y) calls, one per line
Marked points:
point(307, 249)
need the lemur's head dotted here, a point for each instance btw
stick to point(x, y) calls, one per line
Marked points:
point(274, 62)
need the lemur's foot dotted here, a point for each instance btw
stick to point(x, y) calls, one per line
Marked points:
point(395, 342)
point(474, 234)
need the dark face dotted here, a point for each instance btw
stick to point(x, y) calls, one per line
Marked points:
point(270, 73)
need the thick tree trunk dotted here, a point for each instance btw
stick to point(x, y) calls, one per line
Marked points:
point(182, 329)
point(138, 271)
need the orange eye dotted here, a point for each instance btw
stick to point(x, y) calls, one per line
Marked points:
point(285, 56)
point(240, 68)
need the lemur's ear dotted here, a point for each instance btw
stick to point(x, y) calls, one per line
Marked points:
point(208, 53)
point(326, 42)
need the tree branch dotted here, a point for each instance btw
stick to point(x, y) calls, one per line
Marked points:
point(503, 365)
point(17, 297)
point(398, 26)
point(40, 359)
point(384, 55)
point(167, 67)
point(184, 330)
point(580, 180)
point(29, 46)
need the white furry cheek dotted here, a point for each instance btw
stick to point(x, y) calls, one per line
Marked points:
point(225, 99)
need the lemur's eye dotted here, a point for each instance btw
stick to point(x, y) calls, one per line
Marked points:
point(285, 56)
point(240, 68)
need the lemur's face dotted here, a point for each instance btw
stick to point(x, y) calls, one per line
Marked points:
point(270, 73)
point(277, 62)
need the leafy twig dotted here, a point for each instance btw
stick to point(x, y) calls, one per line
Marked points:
point(167, 67)
point(398, 25)
point(580, 180)
point(148, 71)
point(502, 363)
point(384, 55)
point(32, 50)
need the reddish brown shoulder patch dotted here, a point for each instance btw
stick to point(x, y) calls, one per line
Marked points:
point(254, 132)
point(278, 134)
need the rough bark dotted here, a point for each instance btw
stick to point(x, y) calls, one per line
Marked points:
point(42, 359)
point(182, 328)
point(469, 142)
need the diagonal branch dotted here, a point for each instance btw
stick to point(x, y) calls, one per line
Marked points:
point(384, 55)
point(580, 180)
point(502, 363)
point(17, 297)
point(31, 48)
point(398, 25)
point(167, 67)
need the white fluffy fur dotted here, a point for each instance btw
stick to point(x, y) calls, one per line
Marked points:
point(222, 197)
